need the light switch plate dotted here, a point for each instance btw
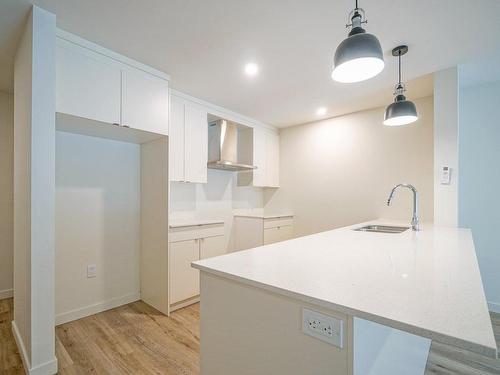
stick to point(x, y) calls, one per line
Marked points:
point(445, 175)
point(91, 271)
point(323, 327)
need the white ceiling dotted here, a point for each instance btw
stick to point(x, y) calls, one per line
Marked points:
point(204, 44)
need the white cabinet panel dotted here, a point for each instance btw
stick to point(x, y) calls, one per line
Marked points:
point(144, 102)
point(184, 280)
point(176, 140)
point(272, 155)
point(212, 247)
point(259, 157)
point(195, 143)
point(86, 85)
point(277, 234)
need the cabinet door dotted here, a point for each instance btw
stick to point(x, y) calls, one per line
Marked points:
point(212, 247)
point(184, 280)
point(144, 102)
point(195, 144)
point(272, 160)
point(259, 157)
point(86, 85)
point(272, 235)
point(176, 140)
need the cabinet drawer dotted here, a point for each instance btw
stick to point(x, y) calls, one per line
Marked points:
point(272, 235)
point(193, 232)
point(278, 222)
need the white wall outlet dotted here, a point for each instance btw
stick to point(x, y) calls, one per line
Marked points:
point(323, 327)
point(91, 271)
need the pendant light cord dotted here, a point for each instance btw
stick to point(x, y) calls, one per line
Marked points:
point(399, 70)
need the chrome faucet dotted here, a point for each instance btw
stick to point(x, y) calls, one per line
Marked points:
point(414, 219)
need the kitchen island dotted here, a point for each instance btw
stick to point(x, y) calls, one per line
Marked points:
point(388, 296)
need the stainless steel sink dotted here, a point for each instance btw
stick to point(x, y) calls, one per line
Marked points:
point(382, 229)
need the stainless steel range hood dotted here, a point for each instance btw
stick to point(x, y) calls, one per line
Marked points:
point(223, 147)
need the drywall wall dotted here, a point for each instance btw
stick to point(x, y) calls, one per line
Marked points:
point(446, 117)
point(340, 171)
point(479, 205)
point(97, 223)
point(34, 193)
point(6, 194)
point(214, 200)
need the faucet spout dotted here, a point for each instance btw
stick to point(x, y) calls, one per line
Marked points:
point(415, 218)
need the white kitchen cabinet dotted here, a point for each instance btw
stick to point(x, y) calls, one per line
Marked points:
point(188, 141)
point(87, 85)
point(272, 156)
point(144, 102)
point(264, 154)
point(253, 230)
point(277, 234)
point(92, 85)
point(184, 280)
point(176, 140)
point(212, 247)
point(189, 243)
point(196, 144)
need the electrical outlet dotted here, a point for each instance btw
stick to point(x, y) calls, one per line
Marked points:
point(91, 271)
point(323, 327)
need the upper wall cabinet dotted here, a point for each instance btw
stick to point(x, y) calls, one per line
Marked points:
point(188, 141)
point(86, 84)
point(95, 86)
point(264, 154)
point(144, 102)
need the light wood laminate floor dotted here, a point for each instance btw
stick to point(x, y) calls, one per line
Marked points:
point(137, 339)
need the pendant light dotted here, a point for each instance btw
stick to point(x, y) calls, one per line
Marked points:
point(359, 56)
point(402, 111)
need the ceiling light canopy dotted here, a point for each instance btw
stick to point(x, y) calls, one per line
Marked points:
point(402, 111)
point(359, 56)
point(251, 69)
point(321, 111)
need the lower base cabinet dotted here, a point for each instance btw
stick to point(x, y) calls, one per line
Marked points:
point(188, 244)
point(277, 234)
point(184, 280)
point(254, 231)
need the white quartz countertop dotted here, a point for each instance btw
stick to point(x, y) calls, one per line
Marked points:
point(194, 222)
point(427, 282)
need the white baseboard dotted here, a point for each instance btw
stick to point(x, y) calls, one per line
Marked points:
point(47, 368)
point(20, 346)
point(494, 307)
point(8, 293)
point(96, 308)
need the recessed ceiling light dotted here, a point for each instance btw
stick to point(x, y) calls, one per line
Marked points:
point(251, 69)
point(321, 111)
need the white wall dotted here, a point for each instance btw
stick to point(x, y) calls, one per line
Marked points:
point(446, 113)
point(214, 200)
point(6, 193)
point(97, 222)
point(34, 193)
point(340, 171)
point(479, 203)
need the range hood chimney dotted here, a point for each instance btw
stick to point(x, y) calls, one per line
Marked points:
point(223, 147)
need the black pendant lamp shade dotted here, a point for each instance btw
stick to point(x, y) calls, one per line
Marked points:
point(401, 111)
point(359, 56)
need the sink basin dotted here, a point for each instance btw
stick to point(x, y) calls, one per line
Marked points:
point(382, 229)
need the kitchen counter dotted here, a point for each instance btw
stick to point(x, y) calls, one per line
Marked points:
point(426, 283)
point(193, 222)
